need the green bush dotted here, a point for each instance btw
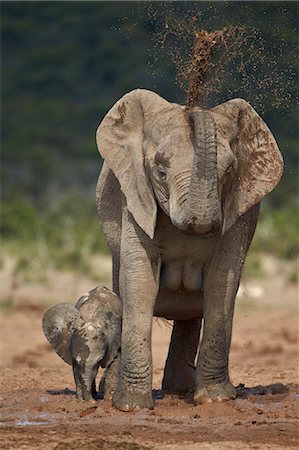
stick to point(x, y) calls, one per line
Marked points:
point(277, 232)
point(64, 236)
point(19, 219)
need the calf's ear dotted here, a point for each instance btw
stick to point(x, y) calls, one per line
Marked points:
point(59, 323)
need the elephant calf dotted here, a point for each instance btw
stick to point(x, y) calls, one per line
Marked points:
point(87, 336)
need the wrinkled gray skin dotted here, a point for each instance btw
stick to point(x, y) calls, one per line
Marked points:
point(178, 200)
point(87, 336)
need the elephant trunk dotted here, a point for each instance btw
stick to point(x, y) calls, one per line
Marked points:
point(203, 207)
point(85, 382)
point(88, 354)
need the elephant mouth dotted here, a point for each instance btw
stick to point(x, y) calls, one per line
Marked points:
point(204, 231)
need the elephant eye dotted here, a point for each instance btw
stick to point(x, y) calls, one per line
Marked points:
point(161, 173)
point(229, 169)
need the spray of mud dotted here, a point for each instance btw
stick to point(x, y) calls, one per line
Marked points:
point(205, 46)
point(236, 60)
point(202, 68)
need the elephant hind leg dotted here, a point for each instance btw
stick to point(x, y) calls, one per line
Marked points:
point(180, 372)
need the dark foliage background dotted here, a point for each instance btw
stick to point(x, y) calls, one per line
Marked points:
point(64, 64)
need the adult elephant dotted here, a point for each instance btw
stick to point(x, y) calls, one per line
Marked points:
point(178, 200)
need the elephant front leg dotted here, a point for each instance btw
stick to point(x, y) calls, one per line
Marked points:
point(139, 278)
point(221, 282)
point(212, 378)
point(135, 376)
point(213, 383)
point(179, 372)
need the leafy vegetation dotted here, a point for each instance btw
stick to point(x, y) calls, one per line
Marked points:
point(65, 63)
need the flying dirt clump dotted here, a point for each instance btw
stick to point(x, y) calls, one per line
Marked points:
point(241, 59)
point(202, 62)
point(203, 59)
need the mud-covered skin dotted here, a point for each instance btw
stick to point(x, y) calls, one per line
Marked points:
point(88, 345)
point(87, 336)
point(178, 200)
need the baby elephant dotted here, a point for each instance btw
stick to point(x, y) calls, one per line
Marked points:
point(87, 336)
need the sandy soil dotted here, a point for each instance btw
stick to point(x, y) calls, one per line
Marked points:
point(38, 408)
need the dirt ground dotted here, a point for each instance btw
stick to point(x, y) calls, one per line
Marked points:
point(38, 406)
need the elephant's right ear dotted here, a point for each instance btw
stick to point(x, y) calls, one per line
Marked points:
point(120, 139)
point(259, 161)
point(59, 323)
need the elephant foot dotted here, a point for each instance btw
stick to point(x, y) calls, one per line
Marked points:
point(86, 397)
point(215, 393)
point(179, 382)
point(130, 402)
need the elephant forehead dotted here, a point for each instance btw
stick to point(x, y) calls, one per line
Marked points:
point(168, 124)
point(170, 146)
point(176, 137)
point(90, 334)
point(89, 307)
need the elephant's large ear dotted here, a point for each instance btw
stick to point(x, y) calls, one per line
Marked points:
point(120, 139)
point(259, 161)
point(59, 323)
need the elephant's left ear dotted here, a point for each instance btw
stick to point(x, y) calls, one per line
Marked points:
point(59, 323)
point(259, 161)
point(120, 140)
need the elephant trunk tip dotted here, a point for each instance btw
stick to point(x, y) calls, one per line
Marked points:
point(203, 227)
